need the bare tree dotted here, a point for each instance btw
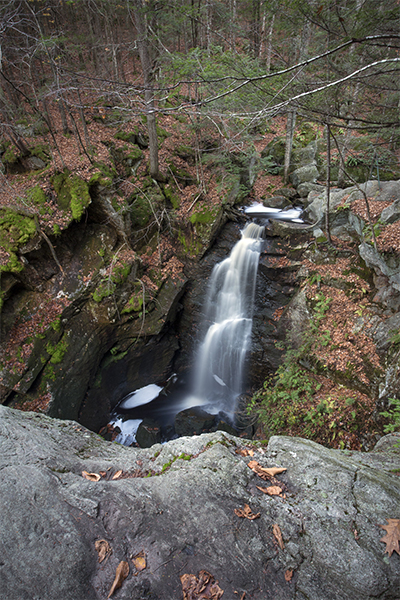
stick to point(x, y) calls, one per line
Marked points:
point(143, 42)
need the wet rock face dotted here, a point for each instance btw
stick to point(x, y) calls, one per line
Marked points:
point(184, 519)
point(193, 421)
point(98, 349)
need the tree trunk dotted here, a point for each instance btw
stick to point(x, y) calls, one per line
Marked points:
point(328, 182)
point(290, 126)
point(145, 59)
point(232, 30)
point(269, 47)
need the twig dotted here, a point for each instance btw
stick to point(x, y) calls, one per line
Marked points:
point(194, 202)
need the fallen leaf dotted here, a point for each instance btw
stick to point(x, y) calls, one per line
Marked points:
point(139, 561)
point(91, 476)
point(272, 471)
point(246, 512)
point(244, 452)
point(121, 574)
point(288, 574)
point(103, 549)
point(202, 588)
point(278, 536)
point(392, 537)
point(241, 451)
point(272, 490)
point(117, 475)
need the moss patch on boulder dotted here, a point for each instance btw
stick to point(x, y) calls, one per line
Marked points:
point(72, 193)
point(15, 231)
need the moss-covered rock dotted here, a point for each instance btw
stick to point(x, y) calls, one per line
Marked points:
point(72, 193)
point(171, 196)
point(15, 230)
point(41, 151)
point(10, 153)
point(104, 177)
point(181, 175)
point(141, 137)
point(137, 299)
point(140, 212)
point(127, 157)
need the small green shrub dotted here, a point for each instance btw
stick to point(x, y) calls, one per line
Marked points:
point(393, 414)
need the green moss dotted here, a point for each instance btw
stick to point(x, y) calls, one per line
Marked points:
point(37, 198)
point(120, 273)
point(56, 325)
point(181, 174)
point(104, 176)
point(42, 151)
point(126, 136)
point(184, 456)
point(204, 216)
point(191, 245)
point(108, 286)
point(184, 151)
point(140, 213)
point(171, 197)
point(80, 197)
point(48, 375)
point(306, 134)
point(105, 289)
point(57, 352)
point(134, 154)
point(72, 193)
point(116, 356)
point(127, 157)
point(162, 134)
point(168, 465)
point(10, 155)
point(135, 302)
point(15, 231)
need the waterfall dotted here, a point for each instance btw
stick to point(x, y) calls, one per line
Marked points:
point(220, 364)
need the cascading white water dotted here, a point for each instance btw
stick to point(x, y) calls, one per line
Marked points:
point(229, 313)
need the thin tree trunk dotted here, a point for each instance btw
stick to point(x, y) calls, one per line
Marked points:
point(290, 127)
point(269, 47)
point(262, 34)
point(232, 33)
point(62, 111)
point(144, 52)
point(328, 182)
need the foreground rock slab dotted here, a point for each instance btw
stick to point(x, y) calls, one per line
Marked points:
point(174, 506)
